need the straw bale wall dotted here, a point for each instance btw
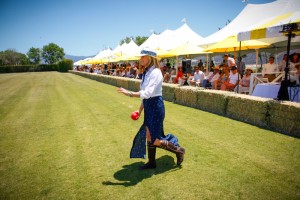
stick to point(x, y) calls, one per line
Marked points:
point(283, 117)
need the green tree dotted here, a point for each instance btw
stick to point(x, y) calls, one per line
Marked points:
point(52, 53)
point(126, 40)
point(65, 65)
point(12, 57)
point(138, 40)
point(34, 55)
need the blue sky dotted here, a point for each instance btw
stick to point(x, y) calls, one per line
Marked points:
point(85, 27)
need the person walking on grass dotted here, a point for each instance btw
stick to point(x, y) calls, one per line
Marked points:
point(152, 129)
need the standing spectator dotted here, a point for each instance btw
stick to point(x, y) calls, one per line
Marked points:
point(200, 64)
point(269, 70)
point(230, 61)
point(152, 129)
point(241, 66)
point(212, 64)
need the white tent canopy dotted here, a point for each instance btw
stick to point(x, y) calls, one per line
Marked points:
point(151, 42)
point(170, 39)
point(257, 15)
point(128, 49)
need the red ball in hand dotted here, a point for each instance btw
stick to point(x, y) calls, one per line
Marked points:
point(134, 115)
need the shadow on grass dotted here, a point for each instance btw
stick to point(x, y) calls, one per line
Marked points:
point(131, 175)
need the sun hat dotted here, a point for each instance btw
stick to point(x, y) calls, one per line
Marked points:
point(147, 52)
point(249, 68)
point(233, 67)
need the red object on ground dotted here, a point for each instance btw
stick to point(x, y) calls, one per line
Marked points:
point(134, 115)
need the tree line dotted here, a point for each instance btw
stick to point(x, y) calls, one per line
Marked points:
point(51, 54)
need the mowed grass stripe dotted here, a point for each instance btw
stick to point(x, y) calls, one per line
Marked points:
point(64, 136)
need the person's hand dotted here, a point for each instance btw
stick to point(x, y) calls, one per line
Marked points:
point(137, 111)
point(122, 90)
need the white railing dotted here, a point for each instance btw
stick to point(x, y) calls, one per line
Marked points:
point(257, 78)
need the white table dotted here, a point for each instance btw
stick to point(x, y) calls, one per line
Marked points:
point(270, 90)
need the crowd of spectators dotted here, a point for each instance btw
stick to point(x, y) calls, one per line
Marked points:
point(229, 75)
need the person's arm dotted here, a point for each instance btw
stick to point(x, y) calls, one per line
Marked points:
point(128, 93)
point(141, 108)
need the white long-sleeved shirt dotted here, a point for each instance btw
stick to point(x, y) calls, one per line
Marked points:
point(199, 76)
point(269, 68)
point(151, 85)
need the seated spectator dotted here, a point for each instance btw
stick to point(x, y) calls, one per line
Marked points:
point(282, 65)
point(123, 72)
point(197, 78)
point(223, 77)
point(232, 81)
point(209, 81)
point(140, 72)
point(269, 70)
point(173, 71)
point(296, 77)
point(132, 72)
point(167, 74)
point(245, 81)
point(294, 60)
point(179, 75)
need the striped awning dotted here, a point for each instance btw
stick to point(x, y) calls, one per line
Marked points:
point(270, 28)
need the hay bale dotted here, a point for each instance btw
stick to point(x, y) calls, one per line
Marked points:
point(284, 117)
point(134, 85)
point(110, 80)
point(274, 115)
point(186, 96)
point(168, 92)
point(100, 78)
point(247, 109)
point(212, 101)
point(121, 82)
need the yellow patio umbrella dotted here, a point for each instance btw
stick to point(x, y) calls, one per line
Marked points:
point(187, 49)
point(125, 57)
point(231, 44)
point(163, 53)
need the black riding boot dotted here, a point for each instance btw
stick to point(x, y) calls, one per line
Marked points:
point(179, 151)
point(151, 156)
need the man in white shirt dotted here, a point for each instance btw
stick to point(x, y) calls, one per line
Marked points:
point(269, 69)
point(230, 61)
point(198, 77)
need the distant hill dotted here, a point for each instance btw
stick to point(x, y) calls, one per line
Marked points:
point(76, 58)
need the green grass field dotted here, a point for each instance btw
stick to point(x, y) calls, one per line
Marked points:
point(66, 137)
